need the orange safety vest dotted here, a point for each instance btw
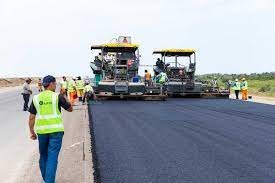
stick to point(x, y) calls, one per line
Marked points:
point(147, 76)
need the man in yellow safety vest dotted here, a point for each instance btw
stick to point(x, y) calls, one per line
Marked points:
point(71, 91)
point(244, 88)
point(45, 117)
point(79, 84)
point(236, 87)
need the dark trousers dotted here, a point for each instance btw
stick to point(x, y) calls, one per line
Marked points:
point(26, 98)
point(49, 148)
point(87, 96)
point(237, 93)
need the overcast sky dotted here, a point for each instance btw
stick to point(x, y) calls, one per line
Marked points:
point(54, 36)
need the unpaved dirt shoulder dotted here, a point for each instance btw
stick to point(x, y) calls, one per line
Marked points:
point(258, 99)
point(75, 159)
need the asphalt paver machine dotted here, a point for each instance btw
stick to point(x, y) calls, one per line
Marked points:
point(116, 73)
point(181, 76)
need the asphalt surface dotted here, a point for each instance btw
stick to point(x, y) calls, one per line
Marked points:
point(184, 140)
point(16, 147)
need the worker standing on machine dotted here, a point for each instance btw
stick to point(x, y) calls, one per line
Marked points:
point(71, 91)
point(244, 88)
point(236, 87)
point(160, 64)
point(148, 78)
point(214, 83)
point(162, 78)
point(80, 88)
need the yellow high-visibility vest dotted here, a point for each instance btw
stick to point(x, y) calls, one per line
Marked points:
point(80, 85)
point(71, 86)
point(244, 85)
point(48, 118)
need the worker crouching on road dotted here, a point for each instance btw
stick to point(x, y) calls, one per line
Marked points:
point(71, 91)
point(88, 93)
point(26, 94)
point(236, 86)
point(244, 88)
point(45, 115)
point(80, 88)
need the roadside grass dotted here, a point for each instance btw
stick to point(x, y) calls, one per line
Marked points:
point(262, 88)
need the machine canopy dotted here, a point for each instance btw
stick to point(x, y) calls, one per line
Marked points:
point(176, 52)
point(116, 47)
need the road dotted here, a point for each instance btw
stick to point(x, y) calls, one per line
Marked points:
point(184, 140)
point(16, 148)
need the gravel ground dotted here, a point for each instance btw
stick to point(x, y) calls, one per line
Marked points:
point(184, 140)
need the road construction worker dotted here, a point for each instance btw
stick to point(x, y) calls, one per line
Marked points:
point(39, 85)
point(162, 78)
point(160, 64)
point(100, 57)
point(26, 93)
point(236, 86)
point(244, 88)
point(64, 85)
point(214, 83)
point(71, 91)
point(155, 78)
point(88, 93)
point(148, 78)
point(80, 88)
point(46, 124)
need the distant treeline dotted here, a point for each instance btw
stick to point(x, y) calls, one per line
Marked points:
point(225, 77)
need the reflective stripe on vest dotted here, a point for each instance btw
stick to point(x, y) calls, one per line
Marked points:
point(80, 85)
point(71, 85)
point(236, 86)
point(48, 118)
point(64, 84)
point(244, 85)
point(88, 88)
point(162, 78)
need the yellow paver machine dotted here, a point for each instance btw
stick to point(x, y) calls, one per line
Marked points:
point(180, 67)
point(116, 72)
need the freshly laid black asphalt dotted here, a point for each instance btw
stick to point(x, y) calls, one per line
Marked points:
point(184, 140)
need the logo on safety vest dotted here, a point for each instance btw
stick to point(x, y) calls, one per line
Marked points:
point(45, 103)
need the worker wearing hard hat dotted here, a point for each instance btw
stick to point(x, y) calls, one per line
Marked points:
point(71, 91)
point(244, 88)
point(88, 93)
point(80, 88)
point(236, 86)
point(46, 124)
point(162, 79)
